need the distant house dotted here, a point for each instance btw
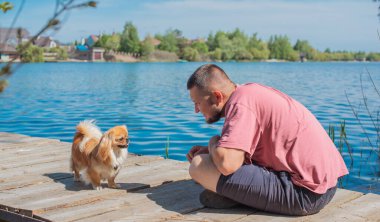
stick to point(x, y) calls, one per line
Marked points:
point(87, 51)
point(82, 52)
point(97, 54)
point(45, 42)
point(7, 52)
point(13, 36)
point(91, 40)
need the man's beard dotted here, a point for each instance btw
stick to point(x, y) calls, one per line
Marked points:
point(217, 114)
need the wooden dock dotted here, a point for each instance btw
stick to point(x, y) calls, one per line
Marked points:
point(36, 185)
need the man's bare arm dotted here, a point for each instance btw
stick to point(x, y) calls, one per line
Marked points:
point(227, 160)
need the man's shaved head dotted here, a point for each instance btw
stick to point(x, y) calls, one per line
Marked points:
point(209, 77)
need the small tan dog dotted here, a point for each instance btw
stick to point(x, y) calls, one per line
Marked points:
point(98, 156)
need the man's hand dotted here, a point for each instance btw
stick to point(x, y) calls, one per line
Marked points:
point(195, 150)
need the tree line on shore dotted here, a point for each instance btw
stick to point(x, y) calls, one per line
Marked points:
point(223, 46)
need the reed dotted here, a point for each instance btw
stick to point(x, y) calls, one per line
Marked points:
point(367, 115)
point(167, 148)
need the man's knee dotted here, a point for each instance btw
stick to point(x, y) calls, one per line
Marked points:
point(194, 169)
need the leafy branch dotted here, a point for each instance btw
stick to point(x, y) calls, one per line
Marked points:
point(62, 6)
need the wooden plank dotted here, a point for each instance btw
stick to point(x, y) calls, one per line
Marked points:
point(143, 205)
point(61, 166)
point(36, 180)
point(39, 168)
point(35, 149)
point(341, 197)
point(364, 208)
point(58, 173)
point(212, 215)
point(47, 196)
point(9, 141)
point(25, 161)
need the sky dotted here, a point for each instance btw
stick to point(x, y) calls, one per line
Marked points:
point(350, 25)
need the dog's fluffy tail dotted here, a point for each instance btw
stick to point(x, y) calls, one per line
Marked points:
point(88, 129)
point(90, 136)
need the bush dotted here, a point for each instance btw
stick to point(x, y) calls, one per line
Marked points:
point(162, 56)
point(31, 54)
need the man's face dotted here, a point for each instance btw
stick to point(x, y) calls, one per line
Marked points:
point(206, 104)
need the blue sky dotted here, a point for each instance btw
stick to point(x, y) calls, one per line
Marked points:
point(336, 24)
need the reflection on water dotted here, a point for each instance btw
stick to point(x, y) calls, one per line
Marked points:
point(48, 100)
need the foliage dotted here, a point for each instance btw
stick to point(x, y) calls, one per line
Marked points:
point(303, 47)
point(341, 144)
point(281, 48)
point(6, 6)
point(109, 42)
point(31, 53)
point(373, 57)
point(191, 54)
point(61, 53)
point(129, 39)
point(147, 46)
point(170, 40)
point(258, 48)
point(201, 47)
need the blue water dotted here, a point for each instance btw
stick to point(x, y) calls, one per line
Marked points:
point(48, 100)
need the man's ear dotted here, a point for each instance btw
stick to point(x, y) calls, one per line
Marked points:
point(219, 97)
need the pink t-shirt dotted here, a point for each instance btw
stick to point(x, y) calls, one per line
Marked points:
point(279, 133)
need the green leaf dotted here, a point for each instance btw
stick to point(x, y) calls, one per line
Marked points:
point(6, 6)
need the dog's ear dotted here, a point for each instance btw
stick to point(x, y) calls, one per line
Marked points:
point(105, 145)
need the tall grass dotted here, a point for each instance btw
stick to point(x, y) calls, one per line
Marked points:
point(167, 148)
point(367, 115)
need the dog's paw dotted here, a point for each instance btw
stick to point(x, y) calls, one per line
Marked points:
point(77, 179)
point(98, 188)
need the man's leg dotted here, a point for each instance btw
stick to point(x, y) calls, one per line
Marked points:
point(259, 188)
point(271, 191)
point(203, 171)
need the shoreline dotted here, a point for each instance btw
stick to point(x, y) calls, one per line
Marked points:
point(184, 61)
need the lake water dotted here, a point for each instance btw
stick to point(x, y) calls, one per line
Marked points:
point(48, 100)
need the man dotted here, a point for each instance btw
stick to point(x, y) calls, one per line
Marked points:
point(272, 154)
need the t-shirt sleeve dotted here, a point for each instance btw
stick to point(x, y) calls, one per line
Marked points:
point(241, 129)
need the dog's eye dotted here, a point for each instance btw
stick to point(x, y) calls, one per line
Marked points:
point(120, 139)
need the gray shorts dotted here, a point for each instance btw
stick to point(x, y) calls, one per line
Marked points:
point(271, 191)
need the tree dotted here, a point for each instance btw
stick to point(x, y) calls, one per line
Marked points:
point(170, 41)
point(201, 47)
point(303, 47)
point(360, 56)
point(222, 42)
point(147, 46)
point(113, 43)
point(61, 53)
point(216, 54)
point(374, 57)
point(129, 40)
point(280, 48)
point(191, 54)
point(258, 48)
point(31, 53)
